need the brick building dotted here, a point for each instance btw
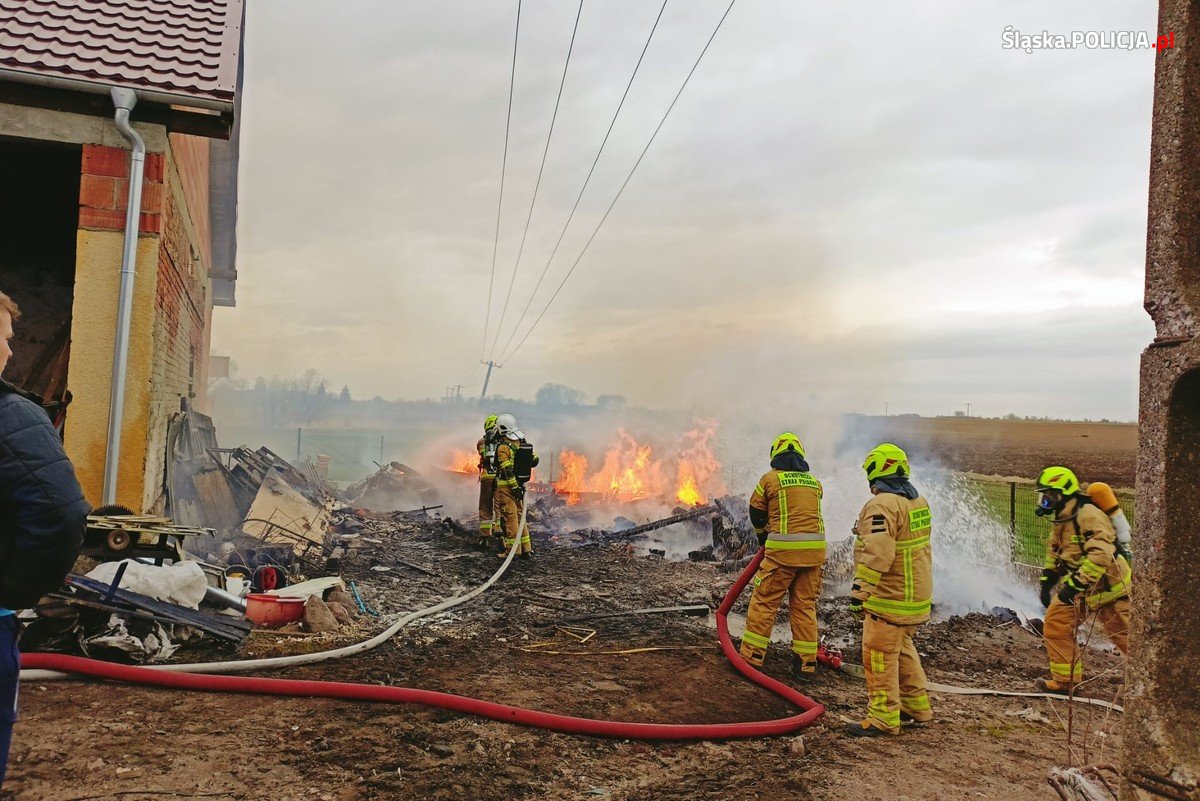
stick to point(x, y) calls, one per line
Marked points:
point(63, 218)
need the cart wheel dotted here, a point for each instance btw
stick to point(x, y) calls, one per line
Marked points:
point(118, 540)
point(112, 510)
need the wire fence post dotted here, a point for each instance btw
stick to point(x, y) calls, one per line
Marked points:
point(1012, 517)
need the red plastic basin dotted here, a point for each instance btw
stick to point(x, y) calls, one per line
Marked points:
point(273, 610)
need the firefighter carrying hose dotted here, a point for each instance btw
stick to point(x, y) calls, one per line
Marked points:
point(515, 460)
point(893, 592)
point(487, 480)
point(785, 510)
point(1085, 555)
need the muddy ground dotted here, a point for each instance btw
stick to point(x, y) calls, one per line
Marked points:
point(79, 740)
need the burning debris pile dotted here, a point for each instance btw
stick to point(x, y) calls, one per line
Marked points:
point(630, 471)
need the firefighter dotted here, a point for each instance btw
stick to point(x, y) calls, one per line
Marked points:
point(487, 480)
point(893, 592)
point(1082, 553)
point(515, 458)
point(785, 509)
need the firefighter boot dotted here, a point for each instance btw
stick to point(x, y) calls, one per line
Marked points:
point(803, 670)
point(1054, 687)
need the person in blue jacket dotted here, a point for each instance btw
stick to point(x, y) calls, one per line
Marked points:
point(42, 518)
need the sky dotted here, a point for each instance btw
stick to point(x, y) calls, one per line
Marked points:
point(850, 206)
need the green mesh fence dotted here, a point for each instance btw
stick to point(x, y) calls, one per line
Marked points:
point(1013, 504)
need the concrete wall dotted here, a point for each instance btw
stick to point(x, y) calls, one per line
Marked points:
point(1162, 718)
point(172, 297)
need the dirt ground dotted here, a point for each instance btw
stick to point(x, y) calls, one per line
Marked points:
point(1096, 451)
point(81, 740)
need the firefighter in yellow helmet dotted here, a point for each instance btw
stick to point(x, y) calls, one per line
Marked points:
point(487, 480)
point(1083, 554)
point(515, 458)
point(785, 510)
point(893, 591)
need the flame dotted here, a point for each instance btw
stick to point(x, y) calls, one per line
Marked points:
point(689, 494)
point(630, 471)
point(697, 466)
point(464, 462)
point(572, 479)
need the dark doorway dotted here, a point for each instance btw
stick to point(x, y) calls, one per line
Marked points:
point(39, 218)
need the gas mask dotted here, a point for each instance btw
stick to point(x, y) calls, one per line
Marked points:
point(1049, 502)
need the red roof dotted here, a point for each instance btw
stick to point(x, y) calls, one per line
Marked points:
point(186, 48)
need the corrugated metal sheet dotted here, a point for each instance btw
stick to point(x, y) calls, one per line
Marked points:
point(187, 48)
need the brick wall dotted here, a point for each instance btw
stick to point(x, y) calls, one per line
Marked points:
point(190, 156)
point(182, 302)
point(104, 190)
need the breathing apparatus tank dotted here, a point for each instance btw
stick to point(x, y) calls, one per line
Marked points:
point(1103, 496)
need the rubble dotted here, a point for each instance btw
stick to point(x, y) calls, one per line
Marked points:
point(318, 618)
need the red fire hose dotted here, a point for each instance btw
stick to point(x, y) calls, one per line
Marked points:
point(811, 710)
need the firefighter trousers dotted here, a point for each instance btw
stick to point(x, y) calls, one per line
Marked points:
point(801, 586)
point(1060, 628)
point(487, 502)
point(895, 679)
point(508, 510)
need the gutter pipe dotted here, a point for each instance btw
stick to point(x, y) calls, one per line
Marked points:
point(124, 100)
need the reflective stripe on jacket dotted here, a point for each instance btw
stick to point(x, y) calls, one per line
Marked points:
point(894, 559)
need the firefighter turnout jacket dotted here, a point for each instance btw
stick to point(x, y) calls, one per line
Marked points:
point(893, 574)
point(791, 501)
point(1082, 548)
point(506, 462)
point(487, 468)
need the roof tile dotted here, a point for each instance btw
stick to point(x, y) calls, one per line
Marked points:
point(181, 47)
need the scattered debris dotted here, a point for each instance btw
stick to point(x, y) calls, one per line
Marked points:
point(393, 486)
point(1030, 714)
point(1084, 784)
point(318, 618)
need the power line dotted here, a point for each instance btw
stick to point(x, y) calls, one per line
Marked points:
point(586, 180)
point(537, 185)
point(625, 183)
point(512, 79)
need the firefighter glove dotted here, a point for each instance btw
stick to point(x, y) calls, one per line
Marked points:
point(856, 604)
point(1049, 580)
point(1070, 589)
point(762, 537)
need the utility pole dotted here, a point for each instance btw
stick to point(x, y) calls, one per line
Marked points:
point(885, 409)
point(968, 409)
point(458, 392)
point(490, 364)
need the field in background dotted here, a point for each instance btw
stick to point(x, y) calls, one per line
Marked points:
point(1016, 448)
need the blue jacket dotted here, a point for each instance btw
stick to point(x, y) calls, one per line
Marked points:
point(42, 508)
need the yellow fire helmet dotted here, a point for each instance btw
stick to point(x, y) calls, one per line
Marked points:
point(886, 460)
point(1058, 478)
point(489, 422)
point(787, 441)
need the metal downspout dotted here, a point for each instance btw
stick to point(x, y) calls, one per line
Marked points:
point(124, 100)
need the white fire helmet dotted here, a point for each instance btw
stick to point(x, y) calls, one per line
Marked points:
point(506, 424)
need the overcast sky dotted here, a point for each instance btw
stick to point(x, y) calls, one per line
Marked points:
point(851, 204)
